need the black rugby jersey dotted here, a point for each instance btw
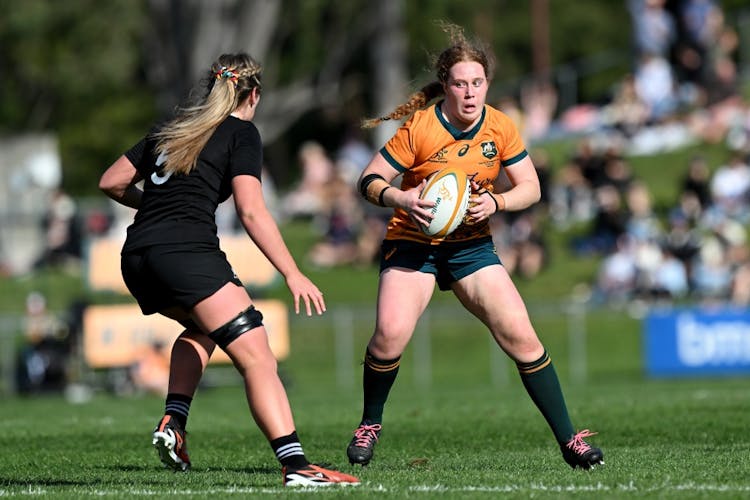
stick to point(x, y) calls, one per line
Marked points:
point(181, 208)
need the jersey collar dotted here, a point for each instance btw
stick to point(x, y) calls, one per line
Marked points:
point(455, 132)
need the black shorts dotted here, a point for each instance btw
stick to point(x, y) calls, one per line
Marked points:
point(165, 276)
point(449, 262)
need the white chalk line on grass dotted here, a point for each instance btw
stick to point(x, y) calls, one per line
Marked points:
point(511, 488)
point(630, 487)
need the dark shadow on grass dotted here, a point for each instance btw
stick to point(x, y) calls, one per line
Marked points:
point(238, 470)
point(194, 470)
point(42, 482)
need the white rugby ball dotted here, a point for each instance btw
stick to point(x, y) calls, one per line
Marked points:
point(449, 189)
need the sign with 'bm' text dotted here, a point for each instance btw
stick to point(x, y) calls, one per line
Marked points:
point(693, 342)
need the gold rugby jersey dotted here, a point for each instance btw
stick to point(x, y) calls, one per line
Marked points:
point(426, 143)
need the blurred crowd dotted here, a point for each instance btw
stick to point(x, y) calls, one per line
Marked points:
point(695, 249)
point(684, 89)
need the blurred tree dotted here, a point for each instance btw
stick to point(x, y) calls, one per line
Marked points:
point(305, 47)
point(74, 67)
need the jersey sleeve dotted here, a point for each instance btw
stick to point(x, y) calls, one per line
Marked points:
point(135, 154)
point(514, 150)
point(142, 156)
point(247, 153)
point(399, 150)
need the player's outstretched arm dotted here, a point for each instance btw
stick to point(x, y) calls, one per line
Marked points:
point(262, 229)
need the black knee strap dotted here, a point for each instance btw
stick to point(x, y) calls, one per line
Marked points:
point(246, 320)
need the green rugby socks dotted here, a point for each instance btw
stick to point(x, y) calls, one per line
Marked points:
point(541, 382)
point(377, 379)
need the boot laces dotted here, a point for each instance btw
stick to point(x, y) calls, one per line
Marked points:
point(577, 444)
point(366, 434)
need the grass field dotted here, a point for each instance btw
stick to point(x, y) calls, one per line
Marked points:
point(665, 440)
point(457, 433)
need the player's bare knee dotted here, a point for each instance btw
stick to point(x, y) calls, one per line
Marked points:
point(245, 321)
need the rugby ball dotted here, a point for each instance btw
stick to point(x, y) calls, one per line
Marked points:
point(449, 189)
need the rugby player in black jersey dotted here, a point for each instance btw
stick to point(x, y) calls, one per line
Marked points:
point(172, 264)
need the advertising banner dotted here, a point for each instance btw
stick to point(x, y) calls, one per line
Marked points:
point(697, 342)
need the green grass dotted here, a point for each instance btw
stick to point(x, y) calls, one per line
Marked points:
point(465, 431)
point(662, 439)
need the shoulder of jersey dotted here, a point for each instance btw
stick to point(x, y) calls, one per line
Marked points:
point(450, 189)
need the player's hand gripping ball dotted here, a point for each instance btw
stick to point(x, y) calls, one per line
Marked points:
point(450, 190)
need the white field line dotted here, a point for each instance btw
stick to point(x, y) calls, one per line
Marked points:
point(36, 491)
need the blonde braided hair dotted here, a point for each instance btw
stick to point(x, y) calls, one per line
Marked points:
point(231, 78)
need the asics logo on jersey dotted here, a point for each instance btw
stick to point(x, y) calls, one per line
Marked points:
point(463, 150)
point(156, 178)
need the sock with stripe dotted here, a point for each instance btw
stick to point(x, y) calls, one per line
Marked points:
point(289, 451)
point(541, 382)
point(377, 379)
point(178, 406)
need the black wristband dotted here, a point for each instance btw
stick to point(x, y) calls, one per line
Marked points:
point(369, 178)
point(497, 207)
point(381, 201)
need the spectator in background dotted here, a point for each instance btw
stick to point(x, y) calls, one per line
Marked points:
point(681, 239)
point(643, 225)
point(42, 363)
point(341, 213)
point(689, 207)
point(590, 160)
point(695, 38)
point(609, 223)
point(655, 85)
point(647, 260)
point(733, 236)
point(697, 180)
point(353, 155)
point(520, 242)
point(730, 188)
point(617, 173)
point(617, 275)
point(711, 277)
point(654, 27)
point(571, 196)
point(308, 198)
point(539, 103)
point(714, 43)
point(723, 249)
point(351, 158)
point(723, 83)
point(98, 223)
point(62, 234)
point(670, 277)
point(509, 105)
point(544, 173)
point(627, 113)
